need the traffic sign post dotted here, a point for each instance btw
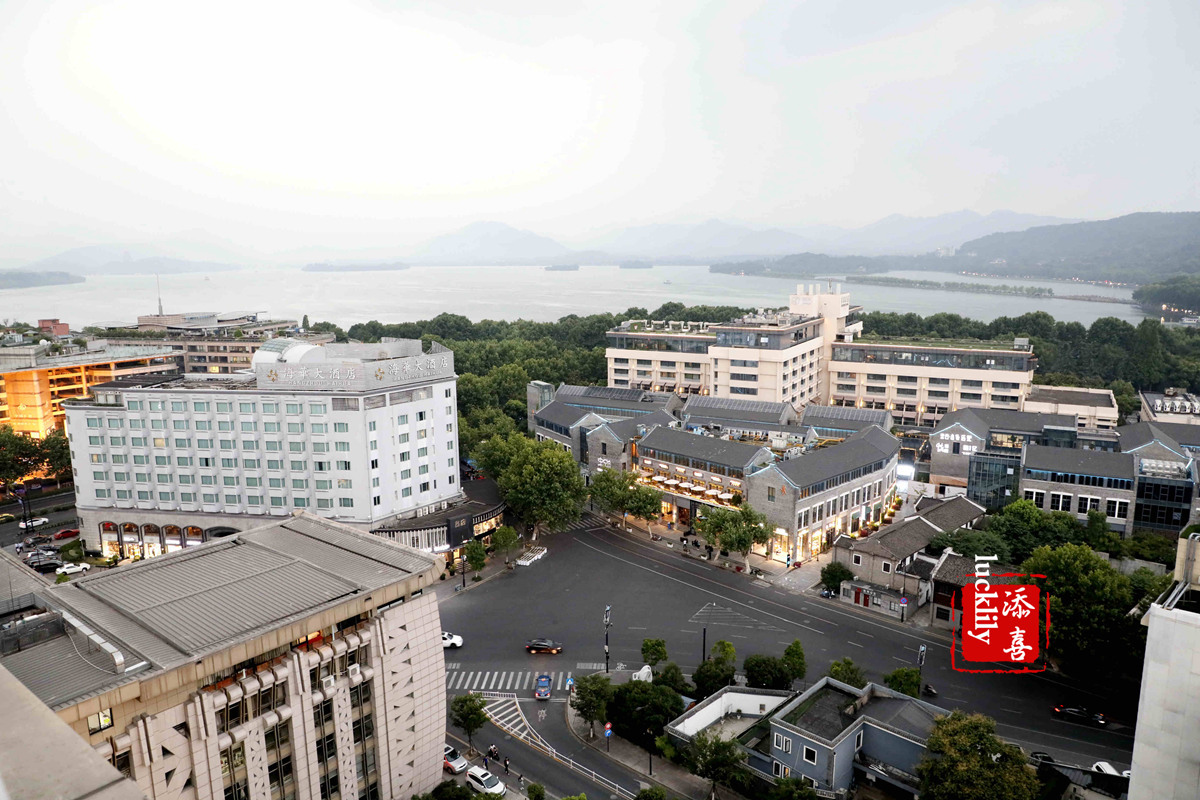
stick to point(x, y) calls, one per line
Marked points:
point(607, 625)
point(571, 685)
point(608, 737)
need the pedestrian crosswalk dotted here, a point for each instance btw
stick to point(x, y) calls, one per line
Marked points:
point(500, 681)
point(507, 716)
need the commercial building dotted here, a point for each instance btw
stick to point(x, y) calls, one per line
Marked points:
point(215, 355)
point(772, 356)
point(1082, 481)
point(567, 414)
point(54, 327)
point(36, 379)
point(298, 659)
point(214, 323)
point(365, 434)
point(1171, 406)
point(695, 472)
point(833, 737)
point(814, 496)
point(1166, 754)
point(1093, 409)
point(980, 449)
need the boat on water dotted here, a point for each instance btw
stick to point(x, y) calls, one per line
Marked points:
point(666, 283)
point(563, 268)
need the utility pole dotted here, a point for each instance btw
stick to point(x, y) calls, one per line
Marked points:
point(704, 645)
point(463, 562)
point(607, 625)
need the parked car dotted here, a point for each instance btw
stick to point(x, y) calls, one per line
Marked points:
point(44, 565)
point(1105, 767)
point(452, 761)
point(1076, 714)
point(541, 688)
point(67, 533)
point(451, 640)
point(1039, 756)
point(36, 522)
point(6, 518)
point(73, 569)
point(38, 539)
point(543, 646)
point(484, 782)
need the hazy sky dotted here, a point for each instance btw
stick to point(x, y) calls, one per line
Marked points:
point(281, 124)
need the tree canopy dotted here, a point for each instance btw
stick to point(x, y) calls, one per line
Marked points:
point(965, 760)
point(848, 673)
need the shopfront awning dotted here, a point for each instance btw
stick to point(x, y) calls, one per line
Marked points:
point(660, 478)
point(713, 492)
point(672, 482)
point(725, 496)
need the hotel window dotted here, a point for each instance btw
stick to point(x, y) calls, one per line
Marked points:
point(405, 474)
point(324, 502)
point(115, 423)
point(970, 396)
point(122, 494)
point(274, 463)
point(316, 408)
point(203, 425)
point(135, 405)
point(400, 420)
point(295, 427)
point(101, 476)
point(277, 502)
point(247, 427)
point(246, 408)
point(292, 408)
point(742, 376)
point(270, 408)
point(424, 487)
point(346, 502)
point(1117, 509)
point(300, 502)
point(296, 447)
point(143, 494)
point(229, 480)
point(1060, 502)
point(320, 427)
point(96, 441)
point(341, 447)
point(299, 483)
point(101, 721)
point(742, 390)
point(271, 427)
point(275, 483)
point(222, 408)
point(250, 463)
point(99, 458)
point(939, 381)
point(200, 406)
point(345, 483)
point(1085, 504)
point(938, 394)
point(168, 497)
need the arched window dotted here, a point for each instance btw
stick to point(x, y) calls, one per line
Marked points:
point(129, 528)
point(150, 530)
point(195, 535)
point(215, 533)
point(108, 527)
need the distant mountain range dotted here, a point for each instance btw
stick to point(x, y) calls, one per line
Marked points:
point(1002, 242)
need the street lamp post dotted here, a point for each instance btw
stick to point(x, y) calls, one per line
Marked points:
point(607, 625)
point(463, 562)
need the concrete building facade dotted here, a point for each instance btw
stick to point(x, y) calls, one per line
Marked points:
point(1094, 409)
point(365, 434)
point(1176, 406)
point(215, 355)
point(317, 673)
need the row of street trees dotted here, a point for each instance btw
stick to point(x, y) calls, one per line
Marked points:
point(734, 529)
point(22, 456)
point(617, 492)
point(539, 481)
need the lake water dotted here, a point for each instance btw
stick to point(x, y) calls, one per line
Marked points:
point(505, 293)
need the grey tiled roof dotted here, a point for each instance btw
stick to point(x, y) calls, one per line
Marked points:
point(864, 447)
point(954, 513)
point(708, 448)
point(982, 420)
point(1171, 434)
point(846, 417)
point(960, 570)
point(894, 541)
point(560, 413)
point(719, 408)
point(600, 392)
point(628, 429)
point(1086, 462)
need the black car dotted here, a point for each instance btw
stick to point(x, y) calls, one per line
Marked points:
point(1077, 714)
point(543, 646)
point(44, 565)
point(1038, 756)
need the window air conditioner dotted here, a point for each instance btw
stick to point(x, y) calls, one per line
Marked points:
point(327, 682)
point(354, 670)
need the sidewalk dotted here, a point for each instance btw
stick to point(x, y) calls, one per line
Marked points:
point(672, 777)
point(495, 568)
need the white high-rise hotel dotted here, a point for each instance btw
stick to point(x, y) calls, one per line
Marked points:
point(364, 434)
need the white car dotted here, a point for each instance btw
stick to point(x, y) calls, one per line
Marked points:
point(73, 569)
point(37, 522)
point(451, 640)
point(484, 782)
point(452, 761)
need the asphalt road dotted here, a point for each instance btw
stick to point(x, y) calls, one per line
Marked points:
point(660, 594)
point(11, 533)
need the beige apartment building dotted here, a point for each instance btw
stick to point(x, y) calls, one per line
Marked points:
point(1093, 409)
point(300, 659)
point(921, 381)
point(770, 356)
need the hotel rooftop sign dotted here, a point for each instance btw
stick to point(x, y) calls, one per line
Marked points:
point(355, 376)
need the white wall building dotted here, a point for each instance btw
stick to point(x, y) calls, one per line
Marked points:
point(363, 434)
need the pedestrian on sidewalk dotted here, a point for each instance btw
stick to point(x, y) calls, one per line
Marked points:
point(506, 765)
point(520, 781)
point(485, 763)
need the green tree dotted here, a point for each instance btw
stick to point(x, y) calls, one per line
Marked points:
point(643, 503)
point(446, 790)
point(20, 455)
point(723, 650)
point(610, 490)
point(965, 760)
point(481, 424)
point(744, 528)
point(1147, 357)
point(848, 673)
point(654, 651)
point(542, 487)
point(906, 680)
point(651, 793)
point(716, 759)
point(505, 539)
point(304, 322)
point(672, 676)
point(1089, 604)
point(790, 789)
point(713, 524)
point(766, 672)
point(591, 698)
point(476, 555)
point(535, 791)
point(712, 675)
point(495, 454)
point(639, 711)
point(56, 455)
point(467, 712)
point(970, 543)
point(793, 659)
point(832, 575)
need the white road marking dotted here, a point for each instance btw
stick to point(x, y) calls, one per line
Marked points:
point(856, 644)
point(901, 660)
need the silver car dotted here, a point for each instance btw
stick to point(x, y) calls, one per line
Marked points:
point(452, 761)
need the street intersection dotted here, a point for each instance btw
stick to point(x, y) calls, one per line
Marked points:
point(657, 593)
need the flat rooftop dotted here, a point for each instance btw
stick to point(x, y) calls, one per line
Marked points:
point(1065, 394)
point(104, 356)
point(163, 612)
point(1005, 345)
